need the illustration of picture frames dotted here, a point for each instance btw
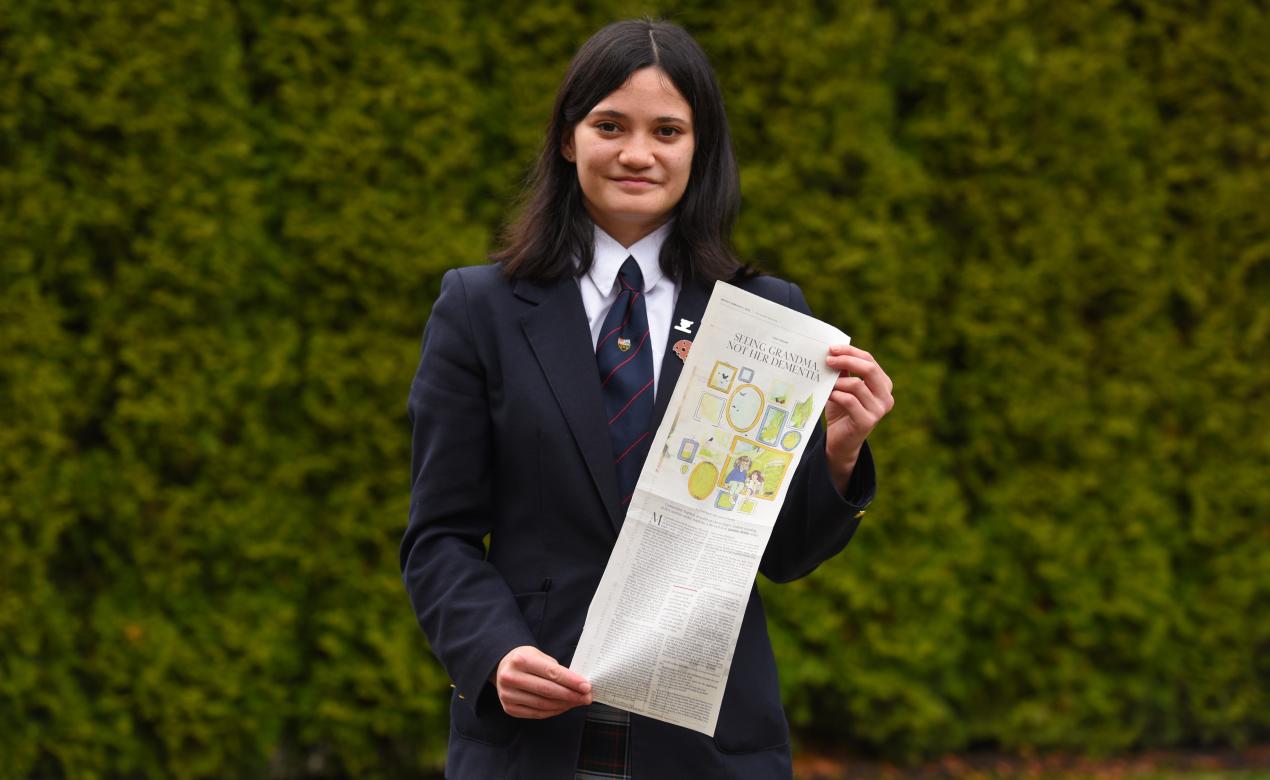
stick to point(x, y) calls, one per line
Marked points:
point(727, 502)
point(743, 408)
point(762, 458)
point(706, 476)
point(722, 373)
point(721, 376)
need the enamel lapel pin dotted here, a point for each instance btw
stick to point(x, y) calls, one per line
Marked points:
point(683, 345)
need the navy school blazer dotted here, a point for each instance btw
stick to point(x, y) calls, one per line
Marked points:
point(510, 441)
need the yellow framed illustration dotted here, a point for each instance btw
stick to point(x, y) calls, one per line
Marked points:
point(744, 408)
point(753, 469)
point(722, 376)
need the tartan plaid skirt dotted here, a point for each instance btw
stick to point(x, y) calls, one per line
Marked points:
point(606, 745)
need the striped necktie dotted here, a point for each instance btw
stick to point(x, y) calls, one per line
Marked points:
point(625, 360)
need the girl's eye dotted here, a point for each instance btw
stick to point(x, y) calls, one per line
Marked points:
point(669, 132)
point(607, 127)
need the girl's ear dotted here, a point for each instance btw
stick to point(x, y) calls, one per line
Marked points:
point(566, 149)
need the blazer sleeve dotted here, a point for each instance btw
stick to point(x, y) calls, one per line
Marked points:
point(816, 521)
point(463, 603)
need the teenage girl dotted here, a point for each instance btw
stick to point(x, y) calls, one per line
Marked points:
point(542, 377)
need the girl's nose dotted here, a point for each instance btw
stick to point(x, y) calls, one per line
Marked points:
point(636, 154)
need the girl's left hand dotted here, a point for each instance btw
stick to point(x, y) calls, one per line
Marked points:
point(860, 398)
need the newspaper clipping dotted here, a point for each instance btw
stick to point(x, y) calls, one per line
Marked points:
point(662, 627)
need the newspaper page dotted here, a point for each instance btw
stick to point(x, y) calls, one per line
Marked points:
point(663, 624)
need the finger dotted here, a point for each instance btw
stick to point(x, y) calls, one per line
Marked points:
point(519, 711)
point(869, 370)
point(859, 388)
point(853, 397)
point(848, 350)
point(533, 713)
point(546, 667)
point(547, 707)
point(517, 677)
point(546, 689)
point(860, 407)
point(522, 669)
point(855, 365)
point(860, 419)
point(850, 407)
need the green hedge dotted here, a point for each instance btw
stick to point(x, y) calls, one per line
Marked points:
point(222, 228)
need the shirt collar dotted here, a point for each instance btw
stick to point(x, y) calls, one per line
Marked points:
point(610, 255)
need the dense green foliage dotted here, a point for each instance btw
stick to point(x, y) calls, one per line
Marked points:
point(223, 224)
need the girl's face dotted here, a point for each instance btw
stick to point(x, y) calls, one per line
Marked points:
point(634, 154)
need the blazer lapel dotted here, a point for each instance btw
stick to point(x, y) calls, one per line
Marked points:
point(693, 298)
point(560, 338)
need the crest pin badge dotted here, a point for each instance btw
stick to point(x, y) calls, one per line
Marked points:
point(623, 344)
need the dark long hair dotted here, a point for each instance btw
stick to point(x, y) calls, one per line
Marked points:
point(553, 226)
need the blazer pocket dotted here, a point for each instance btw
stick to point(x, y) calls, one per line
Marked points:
point(748, 726)
point(495, 727)
point(751, 717)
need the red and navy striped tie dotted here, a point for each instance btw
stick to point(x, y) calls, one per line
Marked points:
point(625, 359)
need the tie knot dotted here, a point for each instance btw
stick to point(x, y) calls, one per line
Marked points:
point(631, 276)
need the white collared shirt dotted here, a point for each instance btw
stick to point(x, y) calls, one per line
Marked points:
point(599, 287)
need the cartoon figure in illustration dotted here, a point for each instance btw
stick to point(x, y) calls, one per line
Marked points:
point(754, 483)
point(736, 477)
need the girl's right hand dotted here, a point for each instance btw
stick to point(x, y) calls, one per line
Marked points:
point(531, 684)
